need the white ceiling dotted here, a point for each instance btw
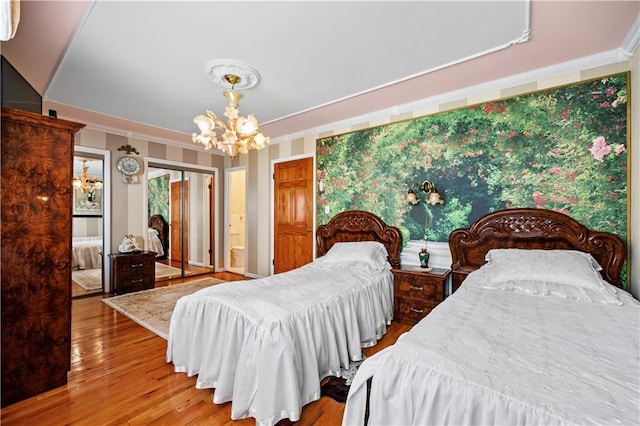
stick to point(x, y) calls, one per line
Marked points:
point(144, 62)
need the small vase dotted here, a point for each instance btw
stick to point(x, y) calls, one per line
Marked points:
point(424, 258)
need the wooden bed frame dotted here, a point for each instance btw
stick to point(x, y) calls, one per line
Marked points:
point(358, 225)
point(532, 229)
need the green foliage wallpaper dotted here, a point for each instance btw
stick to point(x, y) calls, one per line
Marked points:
point(563, 149)
point(159, 196)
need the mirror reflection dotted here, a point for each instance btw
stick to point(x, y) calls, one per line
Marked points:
point(88, 227)
point(180, 222)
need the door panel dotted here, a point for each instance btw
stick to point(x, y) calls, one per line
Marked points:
point(293, 234)
point(178, 247)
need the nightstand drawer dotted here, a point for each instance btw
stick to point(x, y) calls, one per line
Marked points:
point(416, 292)
point(135, 263)
point(412, 310)
point(424, 289)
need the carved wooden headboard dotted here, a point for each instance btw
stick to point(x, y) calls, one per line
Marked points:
point(358, 225)
point(532, 229)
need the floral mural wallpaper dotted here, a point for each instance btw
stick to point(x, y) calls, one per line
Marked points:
point(563, 149)
point(158, 188)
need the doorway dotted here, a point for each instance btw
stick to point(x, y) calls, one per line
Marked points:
point(181, 217)
point(235, 220)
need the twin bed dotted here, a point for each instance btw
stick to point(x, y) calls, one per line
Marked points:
point(531, 335)
point(266, 344)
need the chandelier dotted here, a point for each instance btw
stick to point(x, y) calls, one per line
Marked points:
point(238, 135)
point(84, 182)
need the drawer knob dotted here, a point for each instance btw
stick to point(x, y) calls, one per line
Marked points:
point(136, 281)
point(416, 288)
point(418, 311)
point(136, 265)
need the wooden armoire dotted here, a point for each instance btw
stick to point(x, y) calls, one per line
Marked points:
point(35, 260)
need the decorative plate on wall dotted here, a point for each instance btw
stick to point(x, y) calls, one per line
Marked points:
point(129, 167)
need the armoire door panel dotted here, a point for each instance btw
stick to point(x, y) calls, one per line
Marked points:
point(35, 266)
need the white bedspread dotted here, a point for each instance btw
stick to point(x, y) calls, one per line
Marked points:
point(266, 344)
point(491, 357)
point(86, 252)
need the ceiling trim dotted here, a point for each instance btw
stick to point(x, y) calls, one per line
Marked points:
point(622, 54)
point(632, 40)
point(594, 61)
point(524, 37)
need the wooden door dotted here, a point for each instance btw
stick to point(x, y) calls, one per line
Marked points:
point(179, 237)
point(211, 221)
point(293, 216)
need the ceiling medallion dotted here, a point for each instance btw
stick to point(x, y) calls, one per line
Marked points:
point(217, 71)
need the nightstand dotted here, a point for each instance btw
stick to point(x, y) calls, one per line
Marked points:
point(132, 271)
point(416, 292)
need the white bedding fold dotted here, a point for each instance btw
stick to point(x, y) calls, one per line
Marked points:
point(503, 357)
point(265, 344)
point(86, 253)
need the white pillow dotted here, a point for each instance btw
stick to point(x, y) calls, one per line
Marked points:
point(568, 274)
point(569, 267)
point(367, 254)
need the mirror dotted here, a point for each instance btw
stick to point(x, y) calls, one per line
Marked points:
point(88, 226)
point(180, 221)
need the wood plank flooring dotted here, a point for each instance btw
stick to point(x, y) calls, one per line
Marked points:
point(119, 376)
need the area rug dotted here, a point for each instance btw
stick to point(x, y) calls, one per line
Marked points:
point(88, 279)
point(337, 388)
point(165, 271)
point(152, 309)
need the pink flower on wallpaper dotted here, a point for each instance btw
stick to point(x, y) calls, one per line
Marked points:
point(599, 148)
point(619, 100)
point(538, 199)
point(555, 170)
point(605, 105)
point(619, 149)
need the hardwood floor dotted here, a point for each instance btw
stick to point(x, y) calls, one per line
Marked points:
point(119, 376)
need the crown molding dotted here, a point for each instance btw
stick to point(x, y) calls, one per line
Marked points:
point(615, 56)
point(632, 40)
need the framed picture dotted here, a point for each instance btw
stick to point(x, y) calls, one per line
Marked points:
point(87, 203)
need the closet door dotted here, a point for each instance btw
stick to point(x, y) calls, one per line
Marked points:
point(35, 266)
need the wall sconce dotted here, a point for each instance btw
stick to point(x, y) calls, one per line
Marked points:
point(429, 188)
point(432, 197)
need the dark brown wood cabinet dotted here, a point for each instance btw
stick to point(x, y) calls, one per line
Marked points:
point(416, 292)
point(132, 271)
point(35, 264)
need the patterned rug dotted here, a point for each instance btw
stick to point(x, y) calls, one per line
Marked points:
point(166, 271)
point(88, 279)
point(337, 388)
point(152, 309)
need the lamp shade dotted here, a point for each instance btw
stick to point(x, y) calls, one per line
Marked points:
point(412, 198)
point(435, 198)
